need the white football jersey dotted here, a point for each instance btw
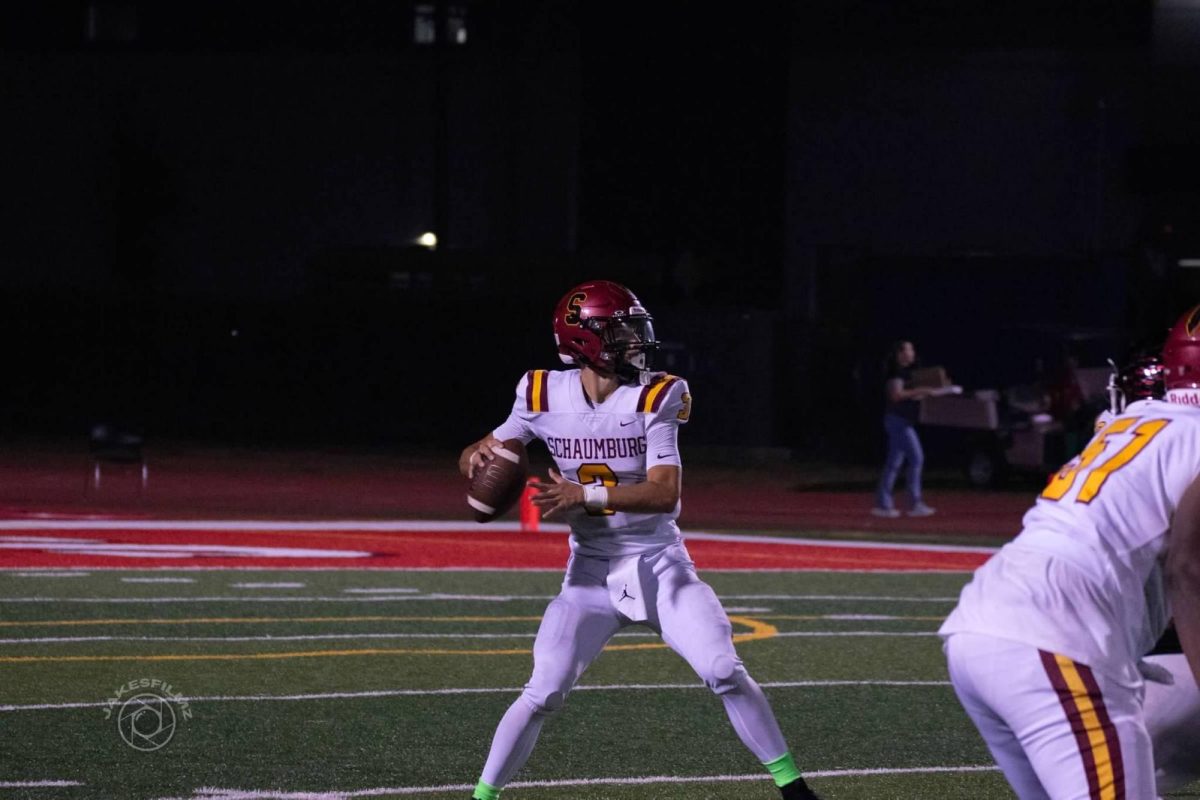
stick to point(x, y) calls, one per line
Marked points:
point(613, 443)
point(1084, 578)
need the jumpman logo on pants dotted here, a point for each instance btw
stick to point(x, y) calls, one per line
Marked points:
point(625, 594)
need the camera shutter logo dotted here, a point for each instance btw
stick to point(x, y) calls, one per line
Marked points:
point(146, 720)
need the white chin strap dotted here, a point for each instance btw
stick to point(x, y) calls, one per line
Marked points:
point(1184, 397)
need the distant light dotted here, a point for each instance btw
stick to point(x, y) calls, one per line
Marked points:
point(1189, 262)
point(428, 239)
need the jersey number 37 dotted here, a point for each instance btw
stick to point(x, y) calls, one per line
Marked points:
point(1088, 462)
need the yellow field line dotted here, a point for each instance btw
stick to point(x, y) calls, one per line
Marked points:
point(758, 630)
point(238, 620)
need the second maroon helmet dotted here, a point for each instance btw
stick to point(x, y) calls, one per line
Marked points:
point(602, 325)
point(1181, 353)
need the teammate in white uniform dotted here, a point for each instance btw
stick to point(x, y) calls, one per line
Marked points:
point(1172, 704)
point(612, 426)
point(1043, 647)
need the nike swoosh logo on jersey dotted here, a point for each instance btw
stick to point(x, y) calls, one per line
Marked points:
point(662, 455)
point(630, 422)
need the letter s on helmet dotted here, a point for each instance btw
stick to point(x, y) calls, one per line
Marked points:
point(1181, 353)
point(602, 325)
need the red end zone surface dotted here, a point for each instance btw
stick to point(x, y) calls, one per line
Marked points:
point(227, 545)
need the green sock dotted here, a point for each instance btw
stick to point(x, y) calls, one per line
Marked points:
point(783, 769)
point(487, 792)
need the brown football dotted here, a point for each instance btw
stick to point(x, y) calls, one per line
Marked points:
point(498, 484)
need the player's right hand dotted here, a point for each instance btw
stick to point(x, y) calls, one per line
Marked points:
point(484, 452)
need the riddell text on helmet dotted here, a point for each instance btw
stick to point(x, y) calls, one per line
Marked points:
point(1184, 397)
point(627, 447)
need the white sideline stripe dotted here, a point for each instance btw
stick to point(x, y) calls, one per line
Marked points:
point(386, 526)
point(849, 544)
point(314, 637)
point(37, 784)
point(357, 568)
point(48, 574)
point(211, 793)
point(442, 525)
point(276, 585)
point(485, 598)
point(631, 687)
point(158, 580)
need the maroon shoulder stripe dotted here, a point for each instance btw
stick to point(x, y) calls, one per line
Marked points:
point(641, 403)
point(666, 389)
point(1067, 699)
point(529, 390)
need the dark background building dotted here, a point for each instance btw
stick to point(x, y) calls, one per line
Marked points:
point(211, 211)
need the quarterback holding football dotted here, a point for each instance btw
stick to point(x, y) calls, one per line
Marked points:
point(611, 425)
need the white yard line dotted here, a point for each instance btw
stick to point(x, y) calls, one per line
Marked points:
point(50, 574)
point(158, 580)
point(382, 590)
point(354, 567)
point(268, 585)
point(38, 784)
point(316, 637)
point(210, 793)
point(485, 598)
point(632, 687)
point(821, 634)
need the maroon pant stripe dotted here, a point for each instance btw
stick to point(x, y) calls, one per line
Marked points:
point(1110, 731)
point(1067, 700)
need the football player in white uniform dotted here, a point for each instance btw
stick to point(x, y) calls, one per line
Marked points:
point(1043, 647)
point(612, 426)
point(1172, 704)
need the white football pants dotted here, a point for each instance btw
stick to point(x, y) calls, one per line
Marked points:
point(580, 621)
point(1058, 730)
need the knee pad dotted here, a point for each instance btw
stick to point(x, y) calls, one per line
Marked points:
point(545, 703)
point(724, 674)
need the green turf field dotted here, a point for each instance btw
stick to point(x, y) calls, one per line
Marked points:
point(401, 689)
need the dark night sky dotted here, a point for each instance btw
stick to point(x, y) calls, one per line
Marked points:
point(810, 173)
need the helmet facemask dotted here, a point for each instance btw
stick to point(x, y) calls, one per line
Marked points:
point(629, 344)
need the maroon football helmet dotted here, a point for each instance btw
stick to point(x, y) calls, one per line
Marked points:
point(602, 325)
point(1181, 353)
point(1140, 379)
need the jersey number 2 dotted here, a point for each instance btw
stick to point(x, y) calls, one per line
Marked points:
point(1097, 474)
point(598, 473)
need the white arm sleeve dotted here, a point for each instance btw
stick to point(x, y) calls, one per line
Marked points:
point(662, 428)
point(519, 424)
point(662, 445)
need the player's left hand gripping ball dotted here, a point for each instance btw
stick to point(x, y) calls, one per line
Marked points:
point(497, 485)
